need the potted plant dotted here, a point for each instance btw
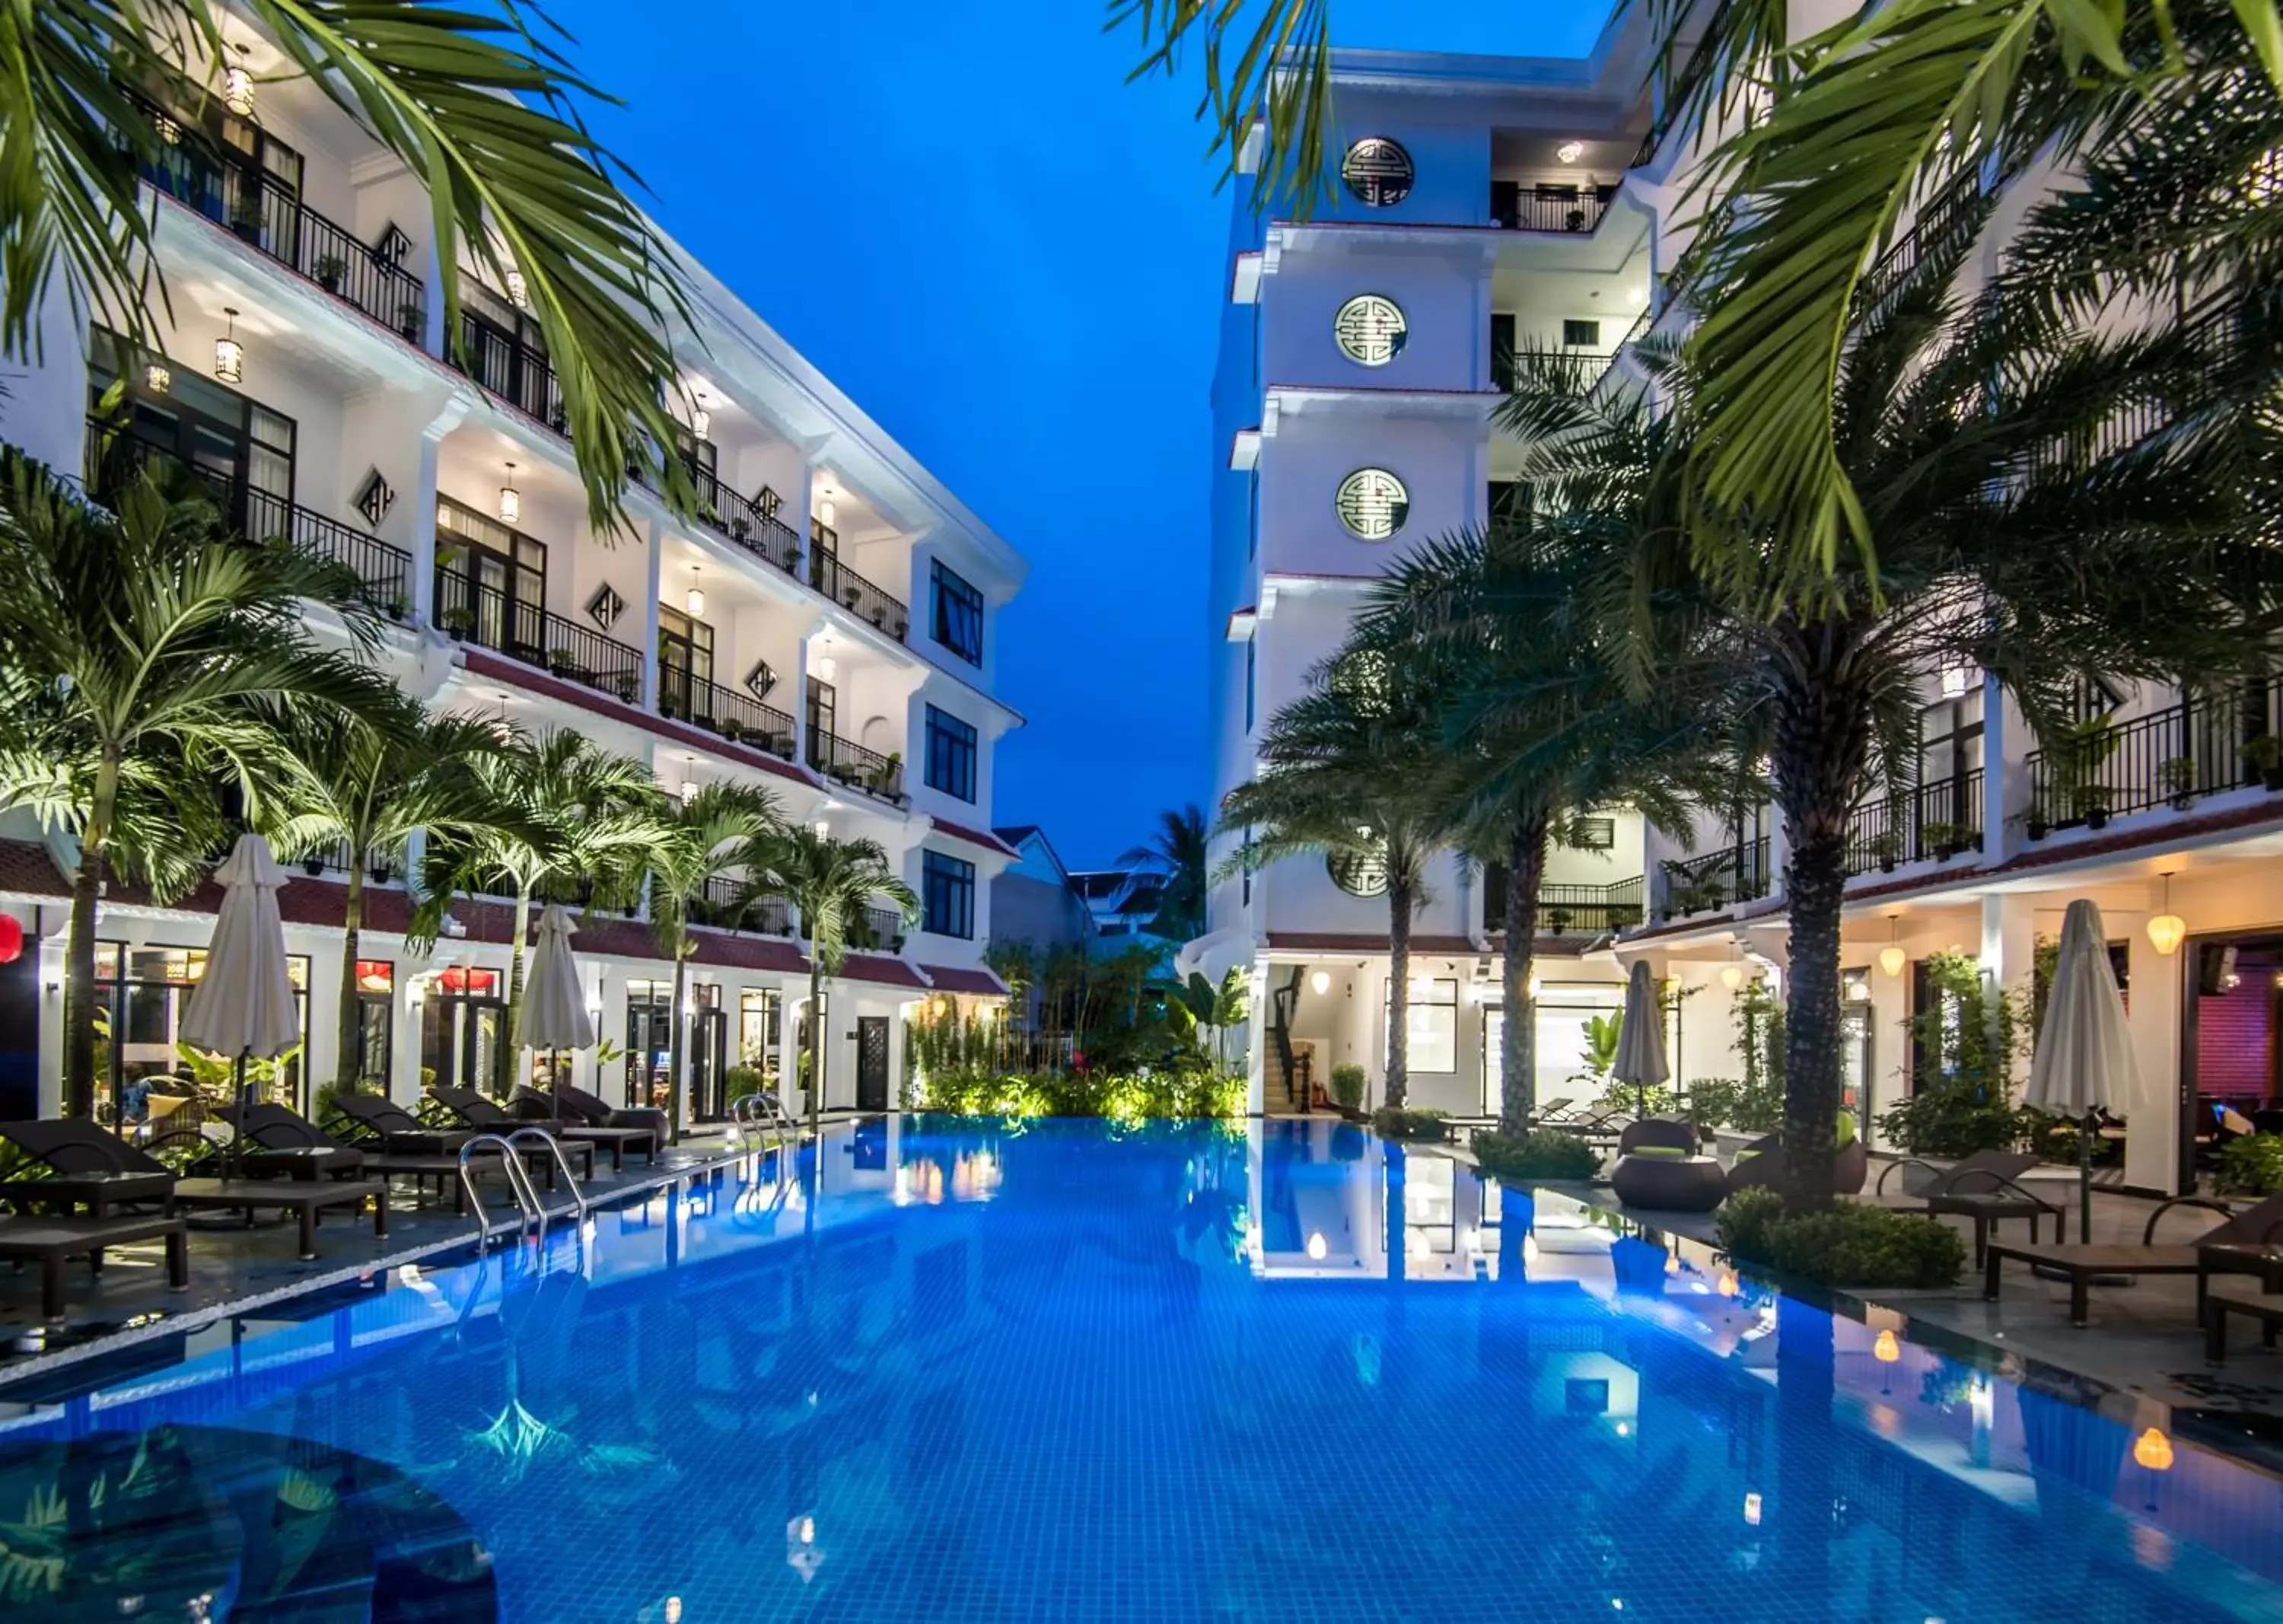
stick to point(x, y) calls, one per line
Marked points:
point(883, 778)
point(741, 527)
point(1886, 847)
point(732, 729)
point(880, 620)
point(780, 745)
point(398, 607)
point(2091, 803)
point(629, 686)
point(849, 595)
point(410, 320)
point(1946, 840)
point(328, 271)
point(246, 216)
point(900, 627)
point(2263, 755)
point(2177, 776)
point(2034, 822)
point(1574, 221)
point(459, 622)
point(1557, 921)
point(381, 871)
point(792, 562)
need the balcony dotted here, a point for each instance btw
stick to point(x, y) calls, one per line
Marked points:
point(843, 586)
point(114, 455)
point(878, 930)
point(268, 216)
point(475, 611)
point(749, 523)
point(1932, 824)
point(1567, 910)
point(725, 906)
point(499, 356)
point(2203, 746)
point(849, 764)
point(737, 717)
point(1521, 205)
point(1715, 881)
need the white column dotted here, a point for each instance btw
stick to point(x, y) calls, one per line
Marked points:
point(654, 541)
point(2006, 740)
point(2153, 1017)
point(2009, 948)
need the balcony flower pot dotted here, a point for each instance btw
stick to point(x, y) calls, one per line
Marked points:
point(313, 866)
point(328, 271)
point(880, 618)
point(2035, 828)
point(458, 622)
point(410, 323)
point(792, 562)
point(741, 528)
point(902, 627)
point(850, 594)
point(2263, 756)
point(629, 689)
point(381, 873)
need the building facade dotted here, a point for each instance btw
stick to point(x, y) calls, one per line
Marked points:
point(824, 627)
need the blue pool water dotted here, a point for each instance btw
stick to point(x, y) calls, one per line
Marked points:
point(1062, 1373)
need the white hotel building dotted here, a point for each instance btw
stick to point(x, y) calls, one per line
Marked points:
point(826, 628)
point(1485, 203)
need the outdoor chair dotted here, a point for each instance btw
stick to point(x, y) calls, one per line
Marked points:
point(1761, 1162)
point(1984, 1188)
point(486, 1117)
point(280, 1131)
point(1657, 1168)
point(376, 1119)
point(50, 1241)
point(2246, 1244)
point(581, 1109)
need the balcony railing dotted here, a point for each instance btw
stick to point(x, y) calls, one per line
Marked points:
point(750, 522)
point(485, 616)
point(114, 454)
point(726, 907)
point(1947, 213)
point(1568, 910)
point(737, 717)
point(846, 761)
point(880, 930)
point(264, 213)
point(1520, 207)
point(1682, 88)
point(494, 354)
point(843, 586)
point(1713, 880)
point(1931, 823)
point(2202, 746)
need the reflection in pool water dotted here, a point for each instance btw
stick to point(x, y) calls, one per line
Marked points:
point(1060, 1371)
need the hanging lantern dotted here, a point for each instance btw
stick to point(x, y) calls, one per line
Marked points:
point(519, 291)
point(1892, 957)
point(1731, 976)
point(156, 377)
point(694, 600)
point(230, 355)
point(826, 512)
point(1320, 982)
point(238, 88)
point(12, 939)
point(700, 419)
point(510, 501)
point(2167, 930)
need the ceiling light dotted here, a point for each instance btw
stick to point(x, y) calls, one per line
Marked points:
point(1571, 152)
point(2167, 930)
point(1892, 957)
point(826, 669)
point(1316, 1247)
point(510, 501)
point(826, 512)
point(230, 355)
point(238, 88)
point(700, 419)
point(694, 600)
point(1320, 983)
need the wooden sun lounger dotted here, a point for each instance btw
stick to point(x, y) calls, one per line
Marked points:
point(304, 1199)
point(2224, 1301)
point(2243, 1245)
point(51, 1240)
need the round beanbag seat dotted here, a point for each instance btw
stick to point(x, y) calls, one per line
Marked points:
point(1669, 1184)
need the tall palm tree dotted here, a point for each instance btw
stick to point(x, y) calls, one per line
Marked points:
point(149, 660)
point(1540, 723)
point(2047, 506)
point(370, 785)
point(473, 100)
point(695, 842)
point(1176, 855)
point(576, 822)
point(829, 883)
point(1347, 774)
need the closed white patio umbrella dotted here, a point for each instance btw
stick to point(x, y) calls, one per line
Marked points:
point(554, 1015)
point(1640, 1040)
point(2083, 1059)
point(242, 1005)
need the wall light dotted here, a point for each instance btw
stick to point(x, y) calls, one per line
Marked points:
point(1892, 957)
point(694, 600)
point(1571, 152)
point(1320, 983)
point(238, 87)
point(510, 501)
point(827, 667)
point(230, 355)
point(2167, 930)
point(519, 291)
point(156, 378)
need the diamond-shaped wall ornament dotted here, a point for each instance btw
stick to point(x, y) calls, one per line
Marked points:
point(760, 679)
point(605, 606)
point(375, 497)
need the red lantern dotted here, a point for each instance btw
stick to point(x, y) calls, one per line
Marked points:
point(12, 939)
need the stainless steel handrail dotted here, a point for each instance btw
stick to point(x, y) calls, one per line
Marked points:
point(561, 1162)
point(518, 1184)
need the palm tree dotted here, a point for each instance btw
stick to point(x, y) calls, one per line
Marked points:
point(695, 842)
point(2047, 507)
point(1176, 855)
point(829, 883)
point(1540, 723)
point(1347, 774)
point(475, 101)
point(370, 785)
point(576, 822)
point(150, 659)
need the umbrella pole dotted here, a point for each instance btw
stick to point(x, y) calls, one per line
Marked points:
point(2085, 1181)
point(237, 1128)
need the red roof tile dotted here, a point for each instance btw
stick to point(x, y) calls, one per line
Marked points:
point(975, 837)
point(886, 971)
point(948, 979)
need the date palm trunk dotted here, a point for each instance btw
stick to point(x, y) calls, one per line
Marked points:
point(676, 1043)
point(1399, 972)
point(348, 1070)
point(1525, 868)
point(816, 1089)
point(79, 1006)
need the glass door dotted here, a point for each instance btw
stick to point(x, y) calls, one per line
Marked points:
point(871, 1063)
point(709, 1042)
point(649, 1042)
point(685, 666)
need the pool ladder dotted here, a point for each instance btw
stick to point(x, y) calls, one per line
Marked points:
point(762, 1113)
point(529, 1207)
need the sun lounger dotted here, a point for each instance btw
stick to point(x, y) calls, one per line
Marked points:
point(376, 1119)
point(2245, 1244)
point(2224, 1301)
point(90, 1166)
point(49, 1241)
point(280, 1130)
point(1985, 1188)
point(487, 1118)
point(473, 1109)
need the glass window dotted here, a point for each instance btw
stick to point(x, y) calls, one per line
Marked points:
point(760, 1024)
point(946, 896)
point(1434, 1023)
point(950, 754)
point(958, 615)
point(376, 993)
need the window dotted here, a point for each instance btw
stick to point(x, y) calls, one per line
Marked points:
point(1251, 675)
point(946, 896)
point(1594, 834)
point(1580, 335)
point(760, 1018)
point(950, 755)
point(958, 615)
point(375, 995)
point(1434, 1023)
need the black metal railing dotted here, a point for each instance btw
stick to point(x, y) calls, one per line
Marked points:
point(1946, 213)
point(2211, 344)
point(846, 761)
point(880, 930)
point(115, 455)
point(1931, 823)
point(1567, 910)
point(1633, 335)
point(495, 355)
point(750, 522)
point(737, 717)
point(263, 213)
point(726, 906)
point(843, 586)
point(2200, 745)
point(1681, 87)
point(1713, 880)
point(1520, 207)
point(483, 614)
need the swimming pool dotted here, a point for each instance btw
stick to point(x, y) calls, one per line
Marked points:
point(1065, 1372)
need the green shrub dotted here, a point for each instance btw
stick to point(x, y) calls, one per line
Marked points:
point(1402, 1122)
point(1969, 1041)
point(1846, 1246)
point(1348, 1084)
point(1120, 1096)
point(1541, 1155)
point(740, 1080)
point(2251, 1165)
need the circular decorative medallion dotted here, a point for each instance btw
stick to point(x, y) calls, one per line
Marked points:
point(1378, 171)
point(1372, 503)
point(1371, 329)
point(1358, 873)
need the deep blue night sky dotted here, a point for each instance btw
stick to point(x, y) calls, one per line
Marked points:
point(1012, 260)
